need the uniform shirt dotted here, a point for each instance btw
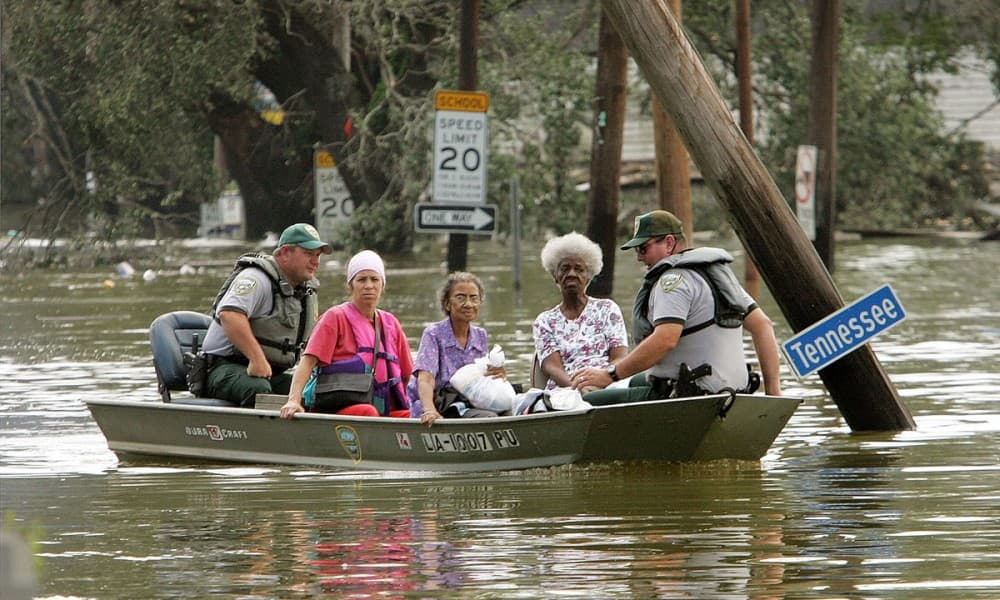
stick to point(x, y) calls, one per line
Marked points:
point(585, 341)
point(683, 296)
point(250, 294)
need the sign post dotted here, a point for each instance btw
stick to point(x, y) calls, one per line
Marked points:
point(805, 189)
point(460, 144)
point(334, 205)
point(843, 332)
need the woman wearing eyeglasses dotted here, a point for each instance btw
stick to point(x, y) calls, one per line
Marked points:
point(447, 346)
point(581, 331)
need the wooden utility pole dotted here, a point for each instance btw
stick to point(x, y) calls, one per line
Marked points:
point(760, 216)
point(606, 152)
point(673, 175)
point(744, 84)
point(468, 80)
point(823, 121)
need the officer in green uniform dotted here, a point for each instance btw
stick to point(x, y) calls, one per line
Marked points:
point(263, 316)
point(688, 324)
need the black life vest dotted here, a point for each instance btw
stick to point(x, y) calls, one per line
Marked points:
point(284, 332)
point(711, 264)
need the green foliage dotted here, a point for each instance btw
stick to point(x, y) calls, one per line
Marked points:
point(125, 87)
point(541, 87)
point(895, 166)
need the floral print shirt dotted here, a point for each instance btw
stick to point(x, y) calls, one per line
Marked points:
point(582, 342)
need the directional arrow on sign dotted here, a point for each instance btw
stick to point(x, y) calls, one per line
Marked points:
point(457, 218)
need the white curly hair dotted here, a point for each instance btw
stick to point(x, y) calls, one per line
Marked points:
point(560, 248)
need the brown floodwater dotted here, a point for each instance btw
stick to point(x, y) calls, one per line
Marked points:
point(826, 514)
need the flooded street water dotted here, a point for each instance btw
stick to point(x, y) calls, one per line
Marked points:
point(826, 514)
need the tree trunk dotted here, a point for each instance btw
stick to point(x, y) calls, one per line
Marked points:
point(760, 216)
point(823, 121)
point(606, 152)
point(673, 175)
point(751, 277)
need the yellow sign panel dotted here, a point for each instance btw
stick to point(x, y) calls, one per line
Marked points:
point(324, 160)
point(461, 101)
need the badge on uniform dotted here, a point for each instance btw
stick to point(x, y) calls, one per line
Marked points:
point(244, 286)
point(670, 281)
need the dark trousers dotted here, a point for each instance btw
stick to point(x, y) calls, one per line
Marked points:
point(229, 381)
point(638, 390)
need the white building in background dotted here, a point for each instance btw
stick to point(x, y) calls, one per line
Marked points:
point(966, 99)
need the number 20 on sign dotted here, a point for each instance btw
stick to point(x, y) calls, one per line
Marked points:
point(460, 143)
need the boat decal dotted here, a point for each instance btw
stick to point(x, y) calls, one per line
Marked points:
point(473, 441)
point(403, 440)
point(350, 441)
point(216, 433)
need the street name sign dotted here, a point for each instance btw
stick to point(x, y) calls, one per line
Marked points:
point(843, 332)
point(455, 218)
point(460, 144)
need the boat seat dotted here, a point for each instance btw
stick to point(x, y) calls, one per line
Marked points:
point(170, 336)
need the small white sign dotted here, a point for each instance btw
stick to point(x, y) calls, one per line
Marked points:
point(334, 205)
point(460, 144)
point(805, 189)
point(454, 218)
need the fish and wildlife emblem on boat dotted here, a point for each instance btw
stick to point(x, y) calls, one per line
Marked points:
point(350, 441)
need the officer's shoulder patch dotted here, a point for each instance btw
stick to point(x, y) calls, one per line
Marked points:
point(244, 286)
point(670, 281)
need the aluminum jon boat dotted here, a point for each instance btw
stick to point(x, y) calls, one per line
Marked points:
point(683, 429)
point(675, 430)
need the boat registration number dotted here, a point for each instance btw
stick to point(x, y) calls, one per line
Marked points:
point(473, 441)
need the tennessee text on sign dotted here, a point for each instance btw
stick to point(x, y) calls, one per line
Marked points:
point(460, 143)
point(843, 332)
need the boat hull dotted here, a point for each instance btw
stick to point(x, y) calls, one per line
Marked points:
point(664, 430)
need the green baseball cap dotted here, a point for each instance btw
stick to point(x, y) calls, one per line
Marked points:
point(654, 224)
point(304, 235)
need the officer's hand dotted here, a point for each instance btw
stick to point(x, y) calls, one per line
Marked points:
point(259, 368)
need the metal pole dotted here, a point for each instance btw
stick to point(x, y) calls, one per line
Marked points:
point(515, 227)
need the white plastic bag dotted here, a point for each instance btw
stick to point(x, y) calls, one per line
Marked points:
point(488, 393)
point(537, 400)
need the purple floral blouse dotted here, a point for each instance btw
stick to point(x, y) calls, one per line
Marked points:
point(583, 342)
point(440, 355)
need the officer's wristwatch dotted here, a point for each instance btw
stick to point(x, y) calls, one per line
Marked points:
point(613, 372)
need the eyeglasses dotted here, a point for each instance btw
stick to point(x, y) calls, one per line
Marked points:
point(463, 299)
point(642, 249)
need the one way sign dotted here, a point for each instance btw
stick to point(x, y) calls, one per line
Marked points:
point(456, 218)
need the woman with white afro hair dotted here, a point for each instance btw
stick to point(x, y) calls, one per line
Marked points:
point(580, 331)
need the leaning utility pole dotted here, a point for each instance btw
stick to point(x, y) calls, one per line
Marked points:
point(758, 213)
point(606, 152)
point(468, 80)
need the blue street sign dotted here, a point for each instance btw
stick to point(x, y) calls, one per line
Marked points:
point(843, 332)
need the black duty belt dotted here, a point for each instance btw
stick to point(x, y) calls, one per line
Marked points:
point(662, 386)
point(215, 359)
